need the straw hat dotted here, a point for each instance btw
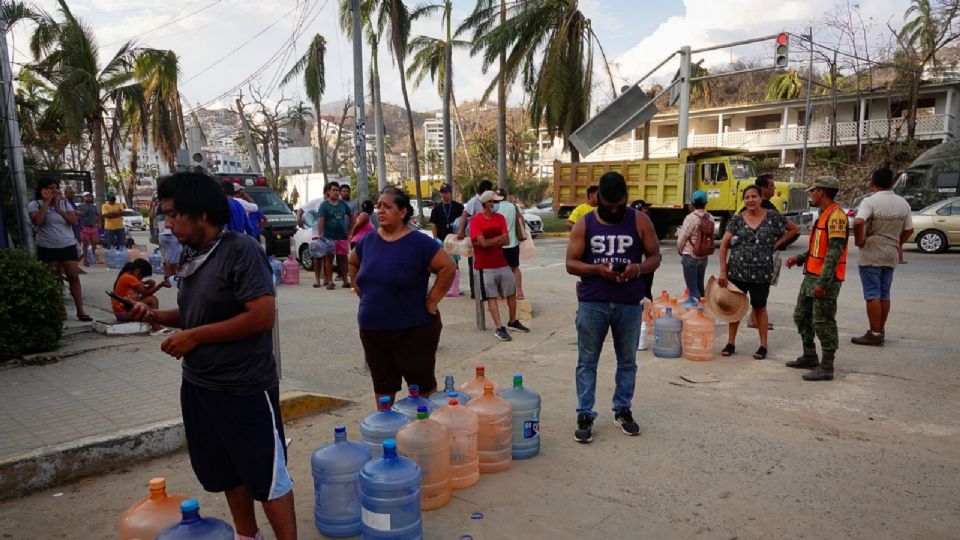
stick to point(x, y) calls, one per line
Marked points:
point(725, 304)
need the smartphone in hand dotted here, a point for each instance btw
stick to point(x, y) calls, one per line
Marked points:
point(619, 267)
point(127, 303)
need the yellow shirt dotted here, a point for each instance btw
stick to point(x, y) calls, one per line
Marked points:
point(111, 223)
point(580, 211)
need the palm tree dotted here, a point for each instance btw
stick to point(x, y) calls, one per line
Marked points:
point(921, 31)
point(551, 43)
point(373, 33)
point(66, 57)
point(297, 117)
point(311, 65)
point(430, 59)
point(437, 56)
point(701, 89)
point(786, 85)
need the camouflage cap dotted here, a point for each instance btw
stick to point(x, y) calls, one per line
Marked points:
point(826, 182)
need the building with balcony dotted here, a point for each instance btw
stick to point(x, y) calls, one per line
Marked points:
point(777, 129)
point(433, 145)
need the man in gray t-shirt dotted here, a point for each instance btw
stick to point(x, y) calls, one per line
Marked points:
point(882, 225)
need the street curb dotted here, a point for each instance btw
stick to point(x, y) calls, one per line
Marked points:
point(555, 235)
point(53, 465)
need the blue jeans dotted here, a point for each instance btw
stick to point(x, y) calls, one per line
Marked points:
point(876, 281)
point(593, 320)
point(115, 238)
point(694, 272)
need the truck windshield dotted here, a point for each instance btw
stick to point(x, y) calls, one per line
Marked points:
point(742, 169)
point(269, 202)
point(908, 179)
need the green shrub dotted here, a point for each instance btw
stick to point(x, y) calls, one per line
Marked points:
point(31, 306)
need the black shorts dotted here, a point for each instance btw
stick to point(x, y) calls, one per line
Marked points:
point(236, 439)
point(395, 355)
point(512, 255)
point(69, 253)
point(758, 292)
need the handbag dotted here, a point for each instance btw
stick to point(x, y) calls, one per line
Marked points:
point(521, 226)
point(528, 251)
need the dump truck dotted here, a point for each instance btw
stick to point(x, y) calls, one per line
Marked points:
point(668, 184)
point(932, 177)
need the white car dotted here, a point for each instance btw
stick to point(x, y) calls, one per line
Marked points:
point(133, 220)
point(303, 237)
point(534, 223)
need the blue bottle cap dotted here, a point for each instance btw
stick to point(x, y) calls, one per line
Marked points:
point(389, 444)
point(383, 399)
point(414, 387)
point(452, 394)
point(190, 505)
point(422, 408)
point(340, 428)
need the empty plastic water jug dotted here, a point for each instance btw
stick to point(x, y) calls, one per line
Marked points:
point(146, 518)
point(89, 258)
point(156, 262)
point(474, 387)
point(699, 332)
point(291, 271)
point(116, 258)
point(454, 289)
point(463, 425)
point(380, 426)
point(194, 527)
point(276, 268)
point(100, 254)
point(428, 443)
point(390, 497)
point(441, 398)
point(660, 303)
point(336, 484)
point(495, 436)
point(525, 409)
point(677, 309)
point(666, 336)
point(408, 405)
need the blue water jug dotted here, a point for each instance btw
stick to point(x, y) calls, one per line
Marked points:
point(666, 336)
point(408, 405)
point(194, 527)
point(277, 268)
point(440, 398)
point(156, 262)
point(90, 257)
point(336, 483)
point(526, 418)
point(390, 496)
point(116, 259)
point(380, 426)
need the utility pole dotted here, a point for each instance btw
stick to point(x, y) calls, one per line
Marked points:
point(501, 112)
point(251, 147)
point(683, 127)
point(809, 112)
point(13, 146)
point(361, 129)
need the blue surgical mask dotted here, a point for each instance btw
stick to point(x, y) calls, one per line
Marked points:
point(496, 207)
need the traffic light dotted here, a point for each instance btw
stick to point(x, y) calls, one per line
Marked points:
point(783, 49)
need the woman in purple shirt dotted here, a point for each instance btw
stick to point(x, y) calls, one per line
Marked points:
point(398, 319)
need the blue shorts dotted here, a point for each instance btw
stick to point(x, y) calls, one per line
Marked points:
point(876, 282)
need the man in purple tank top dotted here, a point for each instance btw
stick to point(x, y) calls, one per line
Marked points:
point(609, 250)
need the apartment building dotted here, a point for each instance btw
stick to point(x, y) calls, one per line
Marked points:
point(433, 145)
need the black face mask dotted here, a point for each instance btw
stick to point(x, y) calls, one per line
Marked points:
point(613, 217)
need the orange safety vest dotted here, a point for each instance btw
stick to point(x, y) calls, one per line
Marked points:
point(820, 239)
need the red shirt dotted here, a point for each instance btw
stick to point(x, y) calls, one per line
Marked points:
point(492, 227)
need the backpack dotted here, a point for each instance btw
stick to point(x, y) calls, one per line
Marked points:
point(702, 237)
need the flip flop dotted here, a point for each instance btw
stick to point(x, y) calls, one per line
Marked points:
point(163, 332)
point(331, 286)
point(728, 350)
point(84, 318)
point(760, 354)
point(317, 285)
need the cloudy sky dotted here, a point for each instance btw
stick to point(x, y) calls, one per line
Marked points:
point(223, 44)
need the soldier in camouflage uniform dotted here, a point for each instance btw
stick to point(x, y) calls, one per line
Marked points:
point(825, 268)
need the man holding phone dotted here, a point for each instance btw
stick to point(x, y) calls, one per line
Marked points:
point(610, 250)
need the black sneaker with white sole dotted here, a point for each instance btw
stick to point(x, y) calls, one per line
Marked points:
point(517, 326)
point(502, 334)
point(584, 432)
point(624, 419)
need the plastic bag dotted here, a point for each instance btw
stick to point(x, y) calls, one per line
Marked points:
point(321, 247)
point(453, 246)
point(528, 251)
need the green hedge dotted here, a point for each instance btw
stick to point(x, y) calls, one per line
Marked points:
point(31, 306)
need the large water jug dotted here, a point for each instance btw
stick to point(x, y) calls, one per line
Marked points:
point(390, 497)
point(291, 271)
point(454, 289)
point(134, 253)
point(276, 268)
point(525, 409)
point(100, 254)
point(692, 312)
point(666, 336)
point(146, 518)
point(463, 425)
point(380, 426)
point(90, 258)
point(677, 309)
point(156, 262)
point(494, 439)
point(428, 443)
point(474, 387)
point(194, 527)
point(698, 335)
point(116, 258)
point(441, 398)
point(336, 484)
point(408, 405)
point(660, 303)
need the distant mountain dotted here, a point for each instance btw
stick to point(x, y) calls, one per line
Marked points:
point(394, 121)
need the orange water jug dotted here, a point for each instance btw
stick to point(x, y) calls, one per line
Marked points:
point(100, 255)
point(684, 298)
point(692, 312)
point(474, 387)
point(463, 424)
point(677, 309)
point(660, 304)
point(428, 443)
point(495, 437)
point(148, 517)
point(697, 337)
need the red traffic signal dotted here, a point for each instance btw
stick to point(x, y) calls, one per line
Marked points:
point(782, 38)
point(782, 50)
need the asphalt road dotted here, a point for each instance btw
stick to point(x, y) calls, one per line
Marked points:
point(759, 453)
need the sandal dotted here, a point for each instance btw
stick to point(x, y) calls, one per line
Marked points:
point(728, 350)
point(331, 286)
point(84, 317)
point(317, 285)
point(760, 354)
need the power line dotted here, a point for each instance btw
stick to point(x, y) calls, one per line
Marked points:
point(166, 24)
